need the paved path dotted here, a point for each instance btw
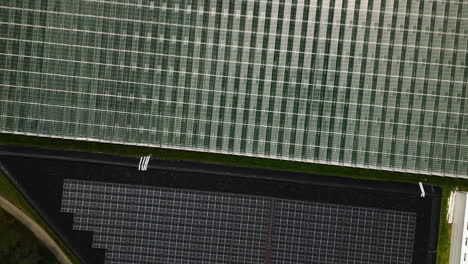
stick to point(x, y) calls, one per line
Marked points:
point(458, 225)
point(36, 229)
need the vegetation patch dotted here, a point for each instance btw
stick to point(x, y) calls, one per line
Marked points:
point(19, 245)
point(9, 192)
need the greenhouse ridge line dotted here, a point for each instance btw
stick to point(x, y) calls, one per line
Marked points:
point(460, 130)
point(184, 42)
point(219, 29)
point(286, 4)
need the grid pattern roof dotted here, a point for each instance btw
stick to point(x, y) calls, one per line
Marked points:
point(142, 224)
point(366, 83)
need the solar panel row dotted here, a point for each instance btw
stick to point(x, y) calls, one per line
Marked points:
point(341, 234)
point(367, 83)
point(143, 224)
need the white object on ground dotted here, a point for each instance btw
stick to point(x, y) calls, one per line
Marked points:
point(423, 193)
point(451, 207)
point(139, 164)
point(144, 161)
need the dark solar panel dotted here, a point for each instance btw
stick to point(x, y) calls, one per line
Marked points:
point(142, 224)
point(341, 234)
point(166, 224)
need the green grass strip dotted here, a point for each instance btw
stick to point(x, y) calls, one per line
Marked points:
point(9, 192)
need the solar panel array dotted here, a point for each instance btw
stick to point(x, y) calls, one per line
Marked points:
point(139, 224)
point(367, 83)
point(143, 224)
point(326, 233)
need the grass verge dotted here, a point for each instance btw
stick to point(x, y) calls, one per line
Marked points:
point(9, 192)
point(447, 184)
point(445, 229)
